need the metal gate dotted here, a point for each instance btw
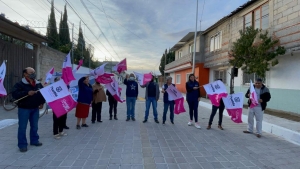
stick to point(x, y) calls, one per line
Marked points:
point(17, 58)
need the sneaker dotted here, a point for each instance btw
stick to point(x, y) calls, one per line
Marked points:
point(190, 123)
point(78, 127)
point(38, 144)
point(197, 126)
point(145, 121)
point(23, 150)
point(63, 134)
point(100, 121)
point(127, 119)
point(57, 136)
point(132, 118)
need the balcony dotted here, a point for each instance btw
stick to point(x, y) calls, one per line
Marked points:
point(184, 60)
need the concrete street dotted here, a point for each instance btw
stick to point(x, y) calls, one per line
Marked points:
point(118, 144)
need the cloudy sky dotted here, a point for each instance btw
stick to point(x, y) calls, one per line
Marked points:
point(139, 30)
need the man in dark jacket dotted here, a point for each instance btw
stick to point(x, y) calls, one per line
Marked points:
point(132, 91)
point(28, 107)
point(263, 96)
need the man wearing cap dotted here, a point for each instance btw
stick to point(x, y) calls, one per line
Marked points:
point(28, 107)
point(263, 96)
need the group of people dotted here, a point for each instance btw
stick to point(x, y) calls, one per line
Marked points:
point(30, 101)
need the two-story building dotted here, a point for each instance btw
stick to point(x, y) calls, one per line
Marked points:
point(281, 18)
point(181, 68)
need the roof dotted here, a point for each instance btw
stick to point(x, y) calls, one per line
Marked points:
point(188, 37)
point(240, 8)
point(20, 32)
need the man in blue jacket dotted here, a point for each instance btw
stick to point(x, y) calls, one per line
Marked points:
point(132, 91)
point(28, 107)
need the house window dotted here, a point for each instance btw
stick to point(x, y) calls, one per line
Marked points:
point(191, 48)
point(178, 79)
point(179, 54)
point(259, 18)
point(216, 42)
point(220, 74)
point(248, 77)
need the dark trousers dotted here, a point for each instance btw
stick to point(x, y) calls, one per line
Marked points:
point(213, 113)
point(96, 112)
point(58, 124)
point(64, 119)
point(166, 106)
point(112, 106)
point(193, 106)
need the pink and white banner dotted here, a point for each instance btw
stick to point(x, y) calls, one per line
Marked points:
point(2, 76)
point(67, 73)
point(105, 78)
point(58, 98)
point(234, 106)
point(78, 66)
point(98, 71)
point(114, 90)
point(49, 75)
point(215, 91)
point(121, 66)
point(253, 96)
point(143, 78)
point(176, 95)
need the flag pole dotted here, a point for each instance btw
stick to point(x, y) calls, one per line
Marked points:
point(73, 46)
point(195, 38)
point(23, 97)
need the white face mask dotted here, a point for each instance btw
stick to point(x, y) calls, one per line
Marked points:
point(131, 78)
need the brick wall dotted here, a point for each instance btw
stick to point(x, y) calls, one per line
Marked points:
point(49, 58)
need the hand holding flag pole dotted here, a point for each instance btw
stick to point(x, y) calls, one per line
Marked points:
point(25, 97)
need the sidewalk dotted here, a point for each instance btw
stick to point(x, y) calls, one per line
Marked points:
point(287, 129)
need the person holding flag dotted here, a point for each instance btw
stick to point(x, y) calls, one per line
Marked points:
point(113, 103)
point(257, 110)
point(85, 98)
point(29, 102)
point(168, 101)
point(98, 98)
point(151, 96)
point(132, 92)
point(193, 98)
point(213, 113)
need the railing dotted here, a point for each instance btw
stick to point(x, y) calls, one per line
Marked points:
point(185, 59)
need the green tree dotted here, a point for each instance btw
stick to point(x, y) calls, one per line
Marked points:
point(170, 57)
point(52, 34)
point(64, 35)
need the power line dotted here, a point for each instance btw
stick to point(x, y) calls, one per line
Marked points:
point(98, 27)
point(88, 27)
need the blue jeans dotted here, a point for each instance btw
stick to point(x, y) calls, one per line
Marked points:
point(166, 106)
point(154, 106)
point(130, 102)
point(33, 116)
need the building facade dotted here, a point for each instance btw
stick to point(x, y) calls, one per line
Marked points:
point(281, 18)
point(181, 68)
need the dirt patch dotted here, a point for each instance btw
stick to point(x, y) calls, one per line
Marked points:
point(281, 114)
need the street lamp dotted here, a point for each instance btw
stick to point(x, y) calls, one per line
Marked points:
point(195, 37)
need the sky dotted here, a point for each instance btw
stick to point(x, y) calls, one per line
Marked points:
point(138, 30)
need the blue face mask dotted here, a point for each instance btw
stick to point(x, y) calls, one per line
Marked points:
point(131, 78)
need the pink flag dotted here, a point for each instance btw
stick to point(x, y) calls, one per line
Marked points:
point(98, 71)
point(67, 74)
point(176, 95)
point(49, 75)
point(234, 106)
point(215, 91)
point(2, 76)
point(105, 78)
point(79, 64)
point(143, 78)
point(253, 96)
point(58, 98)
point(121, 66)
point(114, 90)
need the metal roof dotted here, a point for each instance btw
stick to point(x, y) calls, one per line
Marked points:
point(245, 5)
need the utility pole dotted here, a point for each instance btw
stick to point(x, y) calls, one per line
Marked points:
point(165, 65)
point(72, 46)
point(195, 38)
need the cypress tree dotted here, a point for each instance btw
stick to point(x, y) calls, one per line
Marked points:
point(52, 34)
point(64, 34)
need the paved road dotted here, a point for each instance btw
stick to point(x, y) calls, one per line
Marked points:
point(118, 144)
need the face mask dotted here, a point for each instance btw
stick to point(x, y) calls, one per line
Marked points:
point(131, 78)
point(32, 76)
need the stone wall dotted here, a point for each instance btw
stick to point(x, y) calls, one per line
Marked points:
point(49, 58)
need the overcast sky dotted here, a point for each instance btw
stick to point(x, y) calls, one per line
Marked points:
point(139, 30)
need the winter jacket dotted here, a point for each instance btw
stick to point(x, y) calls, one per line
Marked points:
point(85, 93)
point(22, 88)
point(147, 89)
point(132, 88)
point(98, 93)
point(192, 94)
point(264, 95)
